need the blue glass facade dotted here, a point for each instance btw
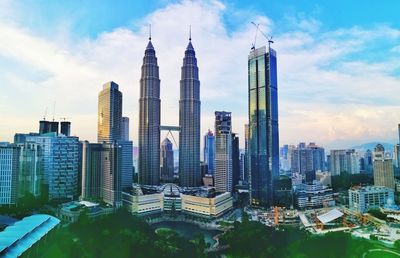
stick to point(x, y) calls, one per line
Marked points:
point(263, 124)
point(209, 152)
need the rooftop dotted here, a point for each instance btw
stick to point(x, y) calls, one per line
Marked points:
point(330, 216)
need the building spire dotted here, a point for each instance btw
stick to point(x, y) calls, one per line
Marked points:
point(149, 31)
point(190, 32)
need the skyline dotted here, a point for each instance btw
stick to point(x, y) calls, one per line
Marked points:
point(345, 62)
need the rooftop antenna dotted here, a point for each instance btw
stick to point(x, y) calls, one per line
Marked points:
point(45, 113)
point(54, 109)
point(190, 32)
point(149, 31)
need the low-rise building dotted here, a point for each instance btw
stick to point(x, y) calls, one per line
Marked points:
point(70, 212)
point(315, 195)
point(362, 199)
point(199, 201)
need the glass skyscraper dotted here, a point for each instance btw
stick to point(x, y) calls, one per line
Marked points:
point(149, 120)
point(189, 120)
point(263, 124)
point(209, 152)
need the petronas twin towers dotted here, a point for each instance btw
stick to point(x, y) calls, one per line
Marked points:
point(189, 120)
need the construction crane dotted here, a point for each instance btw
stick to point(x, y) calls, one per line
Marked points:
point(269, 38)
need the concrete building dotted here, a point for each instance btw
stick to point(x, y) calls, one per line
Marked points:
point(198, 202)
point(111, 174)
point(383, 168)
point(344, 161)
point(315, 195)
point(263, 124)
point(235, 161)
point(362, 199)
point(149, 120)
point(209, 151)
point(167, 161)
point(70, 212)
point(189, 120)
point(9, 168)
point(223, 152)
point(109, 113)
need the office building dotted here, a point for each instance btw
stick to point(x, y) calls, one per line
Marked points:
point(167, 161)
point(126, 163)
point(60, 163)
point(91, 171)
point(111, 174)
point(235, 160)
point(314, 195)
point(344, 161)
point(362, 199)
point(246, 177)
point(209, 151)
point(30, 168)
point(263, 124)
point(223, 152)
point(189, 120)
point(9, 168)
point(383, 168)
point(109, 113)
point(149, 120)
point(125, 128)
point(65, 128)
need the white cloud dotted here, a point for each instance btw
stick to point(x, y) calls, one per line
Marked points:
point(325, 95)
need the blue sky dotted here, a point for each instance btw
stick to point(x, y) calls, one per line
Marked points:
point(337, 62)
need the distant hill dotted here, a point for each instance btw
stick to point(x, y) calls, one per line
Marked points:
point(371, 146)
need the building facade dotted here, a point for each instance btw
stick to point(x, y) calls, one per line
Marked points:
point(189, 120)
point(109, 113)
point(344, 161)
point(111, 174)
point(362, 199)
point(91, 171)
point(235, 160)
point(30, 169)
point(263, 124)
point(167, 161)
point(223, 152)
point(9, 168)
point(383, 168)
point(149, 120)
point(209, 151)
point(125, 128)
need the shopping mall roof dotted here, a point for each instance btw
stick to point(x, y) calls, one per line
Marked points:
point(330, 216)
point(18, 238)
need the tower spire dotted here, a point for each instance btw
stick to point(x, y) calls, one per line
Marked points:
point(149, 31)
point(190, 32)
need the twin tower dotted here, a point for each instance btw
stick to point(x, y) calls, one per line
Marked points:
point(189, 120)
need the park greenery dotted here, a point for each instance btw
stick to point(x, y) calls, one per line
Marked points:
point(124, 235)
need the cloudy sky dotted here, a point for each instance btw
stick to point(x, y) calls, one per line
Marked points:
point(338, 66)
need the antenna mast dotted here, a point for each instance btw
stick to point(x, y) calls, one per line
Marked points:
point(149, 31)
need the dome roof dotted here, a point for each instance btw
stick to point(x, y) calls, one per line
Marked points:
point(171, 190)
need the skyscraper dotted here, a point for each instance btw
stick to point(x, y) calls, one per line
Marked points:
point(209, 151)
point(30, 168)
point(344, 161)
point(109, 113)
point(9, 166)
point(149, 119)
point(91, 170)
point(235, 160)
point(383, 168)
point(246, 161)
point(167, 161)
point(263, 124)
point(189, 120)
point(111, 174)
point(223, 152)
point(125, 128)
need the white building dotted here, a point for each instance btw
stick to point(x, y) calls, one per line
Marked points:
point(362, 199)
point(9, 166)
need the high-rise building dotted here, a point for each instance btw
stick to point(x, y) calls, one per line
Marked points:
point(149, 120)
point(9, 167)
point(396, 159)
point(246, 154)
point(263, 124)
point(209, 151)
point(383, 168)
point(368, 166)
point(189, 120)
point(167, 161)
point(126, 163)
point(223, 152)
point(235, 160)
point(344, 161)
point(111, 174)
point(66, 128)
point(109, 113)
point(91, 170)
point(125, 128)
point(30, 168)
point(318, 154)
